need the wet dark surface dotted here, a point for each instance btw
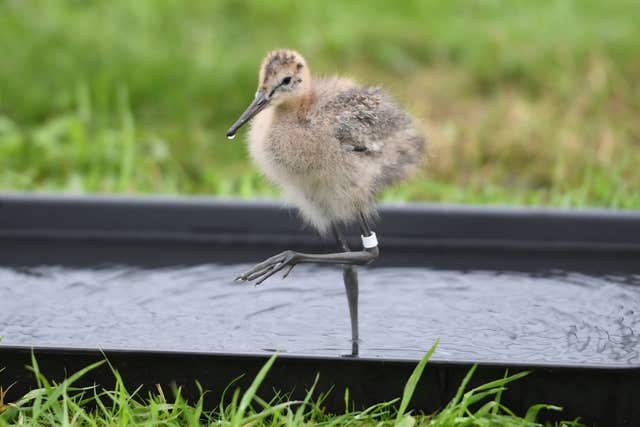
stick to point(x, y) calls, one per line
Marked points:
point(551, 316)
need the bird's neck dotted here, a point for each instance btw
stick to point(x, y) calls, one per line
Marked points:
point(299, 104)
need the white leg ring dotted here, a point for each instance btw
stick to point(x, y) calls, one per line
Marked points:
point(370, 241)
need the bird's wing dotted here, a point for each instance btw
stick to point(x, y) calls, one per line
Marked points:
point(365, 118)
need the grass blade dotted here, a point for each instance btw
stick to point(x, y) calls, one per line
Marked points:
point(247, 397)
point(532, 413)
point(412, 382)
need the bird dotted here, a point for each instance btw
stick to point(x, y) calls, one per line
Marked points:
point(331, 145)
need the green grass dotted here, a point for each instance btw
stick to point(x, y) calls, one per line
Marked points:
point(524, 102)
point(65, 405)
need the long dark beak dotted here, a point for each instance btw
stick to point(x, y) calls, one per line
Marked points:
point(254, 108)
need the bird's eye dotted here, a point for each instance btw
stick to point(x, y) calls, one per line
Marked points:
point(286, 80)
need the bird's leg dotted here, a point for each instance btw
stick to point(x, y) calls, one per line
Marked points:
point(349, 260)
point(288, 259)
point(350, 278)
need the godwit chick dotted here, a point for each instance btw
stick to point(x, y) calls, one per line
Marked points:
point(331, 146)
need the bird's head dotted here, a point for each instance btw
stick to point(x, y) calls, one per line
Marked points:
point(284, 79)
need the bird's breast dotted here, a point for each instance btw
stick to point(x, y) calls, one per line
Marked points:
point(286, 146)
point(314, 172)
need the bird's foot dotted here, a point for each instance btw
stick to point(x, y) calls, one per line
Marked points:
point(269, 267)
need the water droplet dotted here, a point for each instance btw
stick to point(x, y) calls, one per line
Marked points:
point(231, 136)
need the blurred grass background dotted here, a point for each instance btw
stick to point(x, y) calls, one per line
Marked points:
point(524, 102)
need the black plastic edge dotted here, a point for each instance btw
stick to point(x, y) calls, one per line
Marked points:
point(229, 220)
point(598, 396)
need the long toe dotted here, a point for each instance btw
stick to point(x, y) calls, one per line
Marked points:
point(268, 268)
point(261, 272)
point(264, 265)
